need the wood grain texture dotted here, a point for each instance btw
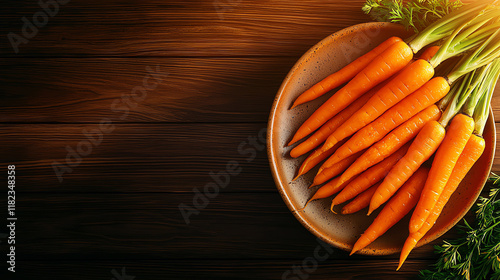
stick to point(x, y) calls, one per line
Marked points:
point(66, 90)
point(136, 157)
point(223, 269)
point(190, 89)
point(179, 28)
point(121, 226)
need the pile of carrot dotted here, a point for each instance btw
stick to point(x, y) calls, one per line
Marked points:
point(403, 132)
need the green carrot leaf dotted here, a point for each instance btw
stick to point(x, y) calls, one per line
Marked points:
point(475, 254)
point(415, 15)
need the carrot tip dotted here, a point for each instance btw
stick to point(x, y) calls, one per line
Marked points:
point(302, 209)
point(293, 141)
point(296, 177)
point(355, 248)
point(331, 208)
point(321, 168)
point(371, 208)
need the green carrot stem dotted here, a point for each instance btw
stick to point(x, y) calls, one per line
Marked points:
point(460, 94)
point(468, 36)
point(484, 54)
point(455, 87)
point(446, 100)
point(445, 26)
point(482, 109)
point(480, 89)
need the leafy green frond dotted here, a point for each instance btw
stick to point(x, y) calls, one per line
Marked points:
point(475, 255)
point(415, 15)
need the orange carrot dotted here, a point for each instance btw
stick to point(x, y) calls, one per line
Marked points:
point(321, 154)
point(369, 177)
point(321, 134)
point(391, 142)
point(325, 191)
point(428, 94)
point(421, 149)
point(395, 210)
point(314, 159)
point(335, 169)
point(410, 79)
point(471, 153)
point(389, 62)
point(430, 87)
point(361, 201)
point(343, 75)
point(332, 187)
point(459, 132)
point(429, 52)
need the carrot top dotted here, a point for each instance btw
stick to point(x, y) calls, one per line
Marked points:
point(472, 27)
point(445, 26)
point(469, 35)
point(481, 108)
point(473, 90)
point(488, 51)
point(461, 92)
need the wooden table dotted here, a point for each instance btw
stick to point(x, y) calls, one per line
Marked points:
point(116, 113)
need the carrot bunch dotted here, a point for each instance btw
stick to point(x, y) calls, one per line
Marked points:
point(396, 134)
point(480, 90)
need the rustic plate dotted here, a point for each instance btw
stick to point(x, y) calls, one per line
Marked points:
point(326, 57)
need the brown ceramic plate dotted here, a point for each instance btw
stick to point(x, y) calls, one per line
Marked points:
point(326, 57)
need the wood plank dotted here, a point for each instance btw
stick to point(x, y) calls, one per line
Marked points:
point(372, 269)
point(191, 90)
point(135, 157)
point(139, 157)
point(177, 28)
point(114, 226)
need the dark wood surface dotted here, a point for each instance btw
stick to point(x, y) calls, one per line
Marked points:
point(219, 65)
